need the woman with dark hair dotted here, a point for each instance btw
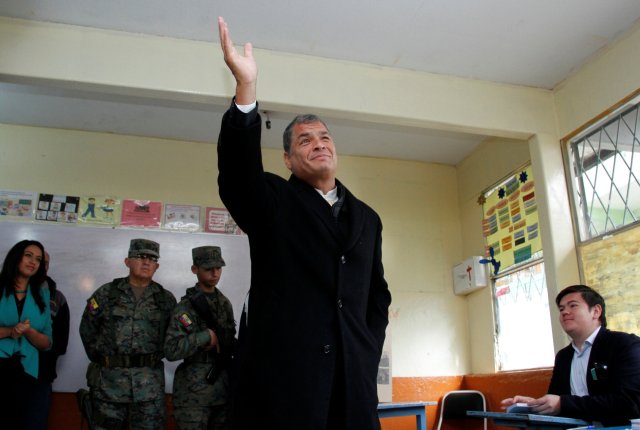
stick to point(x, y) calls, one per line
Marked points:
point(25, 327)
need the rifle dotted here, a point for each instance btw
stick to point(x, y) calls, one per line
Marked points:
point(222, 359)
point(94, 417)
point(84, 404)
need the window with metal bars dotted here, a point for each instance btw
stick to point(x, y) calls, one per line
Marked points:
point(605, 167)
point(521, 300)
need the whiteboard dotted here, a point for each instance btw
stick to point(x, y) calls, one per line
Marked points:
point(83, 258)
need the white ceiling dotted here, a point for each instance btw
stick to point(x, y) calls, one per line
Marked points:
point(534, 43)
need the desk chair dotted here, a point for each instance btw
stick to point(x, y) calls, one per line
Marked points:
point(455, 405)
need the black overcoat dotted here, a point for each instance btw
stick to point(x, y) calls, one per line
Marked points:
point(613, 380)
point(318, 303)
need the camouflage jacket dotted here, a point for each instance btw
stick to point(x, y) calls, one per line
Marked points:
point(114, 324)
point(186, 336)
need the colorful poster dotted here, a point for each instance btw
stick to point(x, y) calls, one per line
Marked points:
point(96, 209)
point(182, 217)
point(218, 220)
point(141, 213)
point(510, 224)
point(57, 208)
point(17, 204)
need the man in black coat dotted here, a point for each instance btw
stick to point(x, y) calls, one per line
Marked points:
point(312, 335)
point(597, 377)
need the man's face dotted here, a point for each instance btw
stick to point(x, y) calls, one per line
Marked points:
point(207, 278)
point(313, 154)
point(577, 320)
point(142, 266)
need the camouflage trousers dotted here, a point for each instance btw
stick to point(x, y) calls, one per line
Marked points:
point(139, 415)
point(203, 418)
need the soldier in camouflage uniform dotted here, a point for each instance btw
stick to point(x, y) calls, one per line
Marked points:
point(122, 330)
point(201, 383)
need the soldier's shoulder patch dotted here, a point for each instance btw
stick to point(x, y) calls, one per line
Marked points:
point(185, 320)
point(93, 306)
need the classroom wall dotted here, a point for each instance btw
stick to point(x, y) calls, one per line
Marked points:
point(421, 236)
point(475, 175)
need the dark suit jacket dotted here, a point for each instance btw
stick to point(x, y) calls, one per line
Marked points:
point(318, 304)
point(614, 392)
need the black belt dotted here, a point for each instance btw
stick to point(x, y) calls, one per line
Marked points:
point(132, 360)
point(201, 357)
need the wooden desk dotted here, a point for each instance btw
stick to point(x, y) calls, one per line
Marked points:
point(388, 410)
point(528, 421)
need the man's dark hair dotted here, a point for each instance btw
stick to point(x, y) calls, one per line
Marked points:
point(307, 118)
point(591, 296)
point(9, 271)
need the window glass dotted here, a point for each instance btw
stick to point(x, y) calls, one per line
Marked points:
point(605, 174)
point(523, 327)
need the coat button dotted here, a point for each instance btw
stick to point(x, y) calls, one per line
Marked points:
point(327, 349)
point(340, 303)
point(343, 259)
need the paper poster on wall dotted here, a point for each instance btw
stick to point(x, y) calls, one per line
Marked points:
point(510, 224)
point(384, 379)
point(17, 204)
point(141, 213)
point(218, 220)
point(57, 208)
point(182, 217)
point(95, 209)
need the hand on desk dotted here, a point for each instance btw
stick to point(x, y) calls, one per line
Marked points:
point(549, 404)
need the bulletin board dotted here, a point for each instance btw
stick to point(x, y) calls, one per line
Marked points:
point(510, 219)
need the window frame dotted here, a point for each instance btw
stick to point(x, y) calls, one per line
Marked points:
point(578, 210)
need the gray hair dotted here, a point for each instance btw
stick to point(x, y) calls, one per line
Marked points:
point(307, 118)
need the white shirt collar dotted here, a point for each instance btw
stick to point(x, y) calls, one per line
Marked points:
point(331, 197)
point(588, 342)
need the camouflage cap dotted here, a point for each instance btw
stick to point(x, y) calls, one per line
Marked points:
point(144, 247)
point(207, 257)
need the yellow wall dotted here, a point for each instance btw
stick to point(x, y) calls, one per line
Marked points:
point(600, 84)
point(611, 266)
point(475, 175)
point(75, 162)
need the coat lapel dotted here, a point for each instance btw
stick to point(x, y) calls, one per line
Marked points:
point(596, 357)
point(352, 207)
point(355, 212)
point(316, 203)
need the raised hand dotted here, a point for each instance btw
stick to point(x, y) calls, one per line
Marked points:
point(243, 67)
